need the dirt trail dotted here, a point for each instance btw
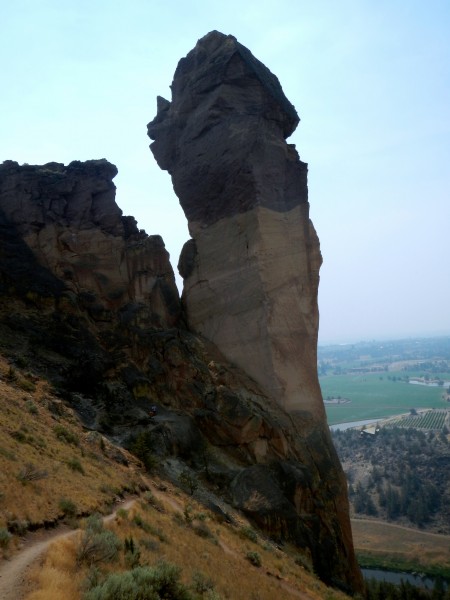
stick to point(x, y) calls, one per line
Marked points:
point(14, 573)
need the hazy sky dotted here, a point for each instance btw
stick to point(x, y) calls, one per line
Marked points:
point(370, 80)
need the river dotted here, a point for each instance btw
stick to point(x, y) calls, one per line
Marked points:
point(397, 577)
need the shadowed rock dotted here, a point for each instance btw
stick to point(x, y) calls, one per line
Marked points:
point(65, 227)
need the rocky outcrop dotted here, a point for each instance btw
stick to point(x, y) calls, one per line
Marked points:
point(251, 274)
point(251, 271)
point(62, 224)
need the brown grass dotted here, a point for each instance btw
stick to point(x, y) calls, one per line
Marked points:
point(221, 557)
point(27, 437)
point(378, 539)
point(55, 579)
point(28, 416)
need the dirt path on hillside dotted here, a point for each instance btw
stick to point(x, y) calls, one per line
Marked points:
point(14, 573)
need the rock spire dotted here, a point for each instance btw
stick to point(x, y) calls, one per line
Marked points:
point(251, 270)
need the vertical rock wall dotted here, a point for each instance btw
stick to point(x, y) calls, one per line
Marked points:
point(251, 272)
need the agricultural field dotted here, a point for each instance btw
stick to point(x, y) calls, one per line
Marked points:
point(374, 380)
point(373, 395)
point(433, 420)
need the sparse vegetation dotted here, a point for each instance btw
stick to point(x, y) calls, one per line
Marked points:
point(398, 475)
point(145, 583)
point(189, 481)
point(67, 507)
point(194, 562)
point(254, 558)
point(5, 538)
point(75, 465)
point(249, 533)
point(142, 447)
point(30, 472)
point(65, 435)
point(97, 545)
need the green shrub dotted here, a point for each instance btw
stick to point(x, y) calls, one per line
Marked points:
point(122, 513)
point(68, 507)
point(19, 436)
point(18, 526)
point(249, 533)
point(63, 434)
point(189, 481)
point(31, 407)
point(5, 538)
point(75, 465)
point(132, 553)
point(30, 472)
point(26, 385)
point(254, 558)
point(11, 374)
point(142, 447)
point(201, 583)
point(143, 583)
point(7, 454)
point(202, 530)
point(94, 523)
point(98, 547)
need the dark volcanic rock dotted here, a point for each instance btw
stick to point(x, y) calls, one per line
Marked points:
point(221, 91)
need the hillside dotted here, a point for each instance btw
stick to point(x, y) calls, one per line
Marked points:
point(401, 475)
point(61, 471)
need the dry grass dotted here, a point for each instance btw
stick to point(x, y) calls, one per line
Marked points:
point(40, 442)
point(219, 554)
point(56, 579)
point(379, 539)
point(37, 462)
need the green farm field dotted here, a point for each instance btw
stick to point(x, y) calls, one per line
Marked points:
point(374, 396)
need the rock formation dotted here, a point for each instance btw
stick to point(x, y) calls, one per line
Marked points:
point(86, 251)
point(89, 301)
point(251, 270)
point(251, 274)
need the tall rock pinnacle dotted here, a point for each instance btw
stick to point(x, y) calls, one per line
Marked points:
point(251, 271)
point(251, 275)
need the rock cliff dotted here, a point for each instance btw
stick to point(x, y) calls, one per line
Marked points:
point(67, 219)
point(251, 270)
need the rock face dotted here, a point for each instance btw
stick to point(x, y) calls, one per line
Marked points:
point(251, 271)
point(83, 250)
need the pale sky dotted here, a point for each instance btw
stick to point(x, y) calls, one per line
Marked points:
point(370, 80)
